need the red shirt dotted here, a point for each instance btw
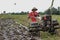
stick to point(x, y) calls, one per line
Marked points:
point(32, 16)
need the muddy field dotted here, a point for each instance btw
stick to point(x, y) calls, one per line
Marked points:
point(11, 30)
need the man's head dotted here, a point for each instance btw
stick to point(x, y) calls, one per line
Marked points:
point(34, 9)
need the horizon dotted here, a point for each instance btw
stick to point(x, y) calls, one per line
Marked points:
point(26, 5)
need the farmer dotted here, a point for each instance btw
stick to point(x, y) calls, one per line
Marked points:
point(32, 15)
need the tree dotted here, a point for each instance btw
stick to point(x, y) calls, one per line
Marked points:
point(47, 11)
point(53, 11)
point(4, 12)
point(59, 10)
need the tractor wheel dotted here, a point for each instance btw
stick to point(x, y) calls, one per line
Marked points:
point(52, 31)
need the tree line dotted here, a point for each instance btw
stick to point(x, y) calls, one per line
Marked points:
point(54, 11)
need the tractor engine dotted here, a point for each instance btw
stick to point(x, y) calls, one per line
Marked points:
point(47, 19)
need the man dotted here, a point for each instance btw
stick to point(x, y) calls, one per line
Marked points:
point(32, 15)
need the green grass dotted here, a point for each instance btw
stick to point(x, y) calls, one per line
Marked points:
point(44, 35)
point(57, 17)
point(19, 18)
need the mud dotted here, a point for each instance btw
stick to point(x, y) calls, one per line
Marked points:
point(11, 30)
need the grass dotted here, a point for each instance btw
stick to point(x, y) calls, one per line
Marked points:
point(19, 18)
point(57, 17)
point(44, 35)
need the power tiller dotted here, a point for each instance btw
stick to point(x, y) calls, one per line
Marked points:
point(45, 25)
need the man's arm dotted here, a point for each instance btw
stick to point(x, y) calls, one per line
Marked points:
point(37, 14)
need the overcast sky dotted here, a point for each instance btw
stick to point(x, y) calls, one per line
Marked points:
point(26, 5)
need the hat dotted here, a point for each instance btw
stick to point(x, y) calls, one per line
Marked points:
point(34, 9)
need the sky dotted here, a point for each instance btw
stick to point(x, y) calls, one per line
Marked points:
point(26, 5)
